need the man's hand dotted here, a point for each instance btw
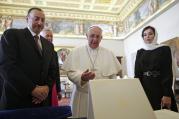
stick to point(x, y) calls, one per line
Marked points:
point(36, 100)
point(39, 94)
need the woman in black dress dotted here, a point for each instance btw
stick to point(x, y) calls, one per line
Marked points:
point(153, 67)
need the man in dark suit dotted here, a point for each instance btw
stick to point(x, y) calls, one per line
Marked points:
point(27, 60)
point(1, 83)
point(56, 91)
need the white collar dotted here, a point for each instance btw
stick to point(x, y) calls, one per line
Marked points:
point(33, 34)
point(152, 46)
point(92, 50)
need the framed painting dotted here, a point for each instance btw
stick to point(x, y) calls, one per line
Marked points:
point(62, 52)
point(62, 27)
point(148, 10)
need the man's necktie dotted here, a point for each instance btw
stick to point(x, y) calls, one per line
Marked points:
point(36, 38)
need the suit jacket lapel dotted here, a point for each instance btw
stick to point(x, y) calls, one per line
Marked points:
point(31, 40)
point(45, 47)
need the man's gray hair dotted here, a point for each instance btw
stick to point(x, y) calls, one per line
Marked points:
point(97, 26)
point(47, 29)
point(43, 32)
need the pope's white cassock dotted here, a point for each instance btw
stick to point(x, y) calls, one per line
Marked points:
point(100, 60)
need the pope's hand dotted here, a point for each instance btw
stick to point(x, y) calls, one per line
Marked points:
point(87, 75)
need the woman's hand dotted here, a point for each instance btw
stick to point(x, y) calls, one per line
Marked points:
point(166, 102)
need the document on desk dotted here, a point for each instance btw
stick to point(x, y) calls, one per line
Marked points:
point(118, 99)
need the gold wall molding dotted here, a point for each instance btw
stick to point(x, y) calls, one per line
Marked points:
point(166, 6)
point(120, 22)
point(80, 15)
point(58, 13)
point(129, 8)
point(20, 7)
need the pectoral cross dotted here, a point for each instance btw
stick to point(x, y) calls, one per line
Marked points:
point(93, 69)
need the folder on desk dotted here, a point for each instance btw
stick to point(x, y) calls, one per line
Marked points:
point(166, 114)
point(118, 99)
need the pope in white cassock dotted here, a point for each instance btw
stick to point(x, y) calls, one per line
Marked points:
point(89, 62)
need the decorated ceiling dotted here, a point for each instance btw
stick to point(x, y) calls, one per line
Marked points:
point(104, 10)
point(72, 17)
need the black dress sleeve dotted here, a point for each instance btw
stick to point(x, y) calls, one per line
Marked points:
point(166, 72)
point(138, 71)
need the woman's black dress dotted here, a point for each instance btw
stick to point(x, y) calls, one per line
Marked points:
point(154, 70)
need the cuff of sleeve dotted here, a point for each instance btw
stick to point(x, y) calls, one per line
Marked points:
point(167, 92)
